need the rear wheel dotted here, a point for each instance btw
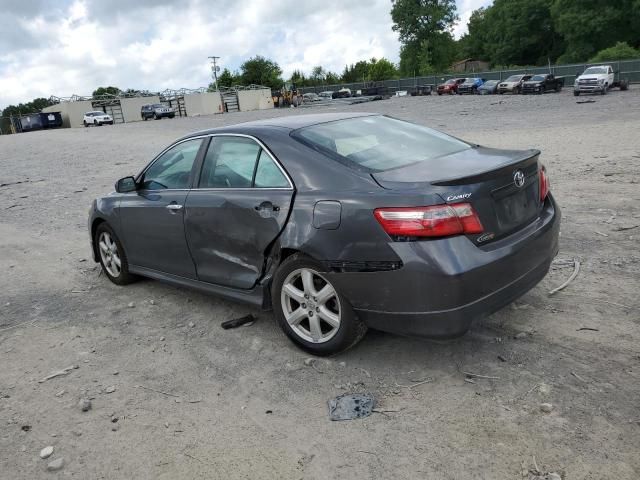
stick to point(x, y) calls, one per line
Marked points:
point(576, 93)
point(157, 117)
point(85, 123)
point(112, 257)
point(309, 309)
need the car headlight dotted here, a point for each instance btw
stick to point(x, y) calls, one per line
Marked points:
point(601, 81)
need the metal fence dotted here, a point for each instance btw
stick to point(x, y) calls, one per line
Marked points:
point(626, 69)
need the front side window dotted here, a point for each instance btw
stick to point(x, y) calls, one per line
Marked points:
point(377, 143)
point(172, 170)
point(239, 162)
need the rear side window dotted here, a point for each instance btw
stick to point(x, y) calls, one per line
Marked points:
point(239, 162)
point(378, 143)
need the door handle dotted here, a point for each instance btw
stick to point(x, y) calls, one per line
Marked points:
point(172, 207)
point(267, 206)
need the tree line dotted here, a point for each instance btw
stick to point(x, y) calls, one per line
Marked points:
point(515, 33)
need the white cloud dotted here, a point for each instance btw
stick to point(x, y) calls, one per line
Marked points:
point(78, 45)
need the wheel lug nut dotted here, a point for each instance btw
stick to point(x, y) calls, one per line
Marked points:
point(304, 305)
point(310, 313)
point(317, 309)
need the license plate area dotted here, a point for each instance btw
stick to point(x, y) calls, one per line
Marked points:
point(516, 206)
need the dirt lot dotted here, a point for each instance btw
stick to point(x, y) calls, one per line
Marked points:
point(195, 401)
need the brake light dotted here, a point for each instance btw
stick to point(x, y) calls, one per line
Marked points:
point(434, 221)
point(543, 179)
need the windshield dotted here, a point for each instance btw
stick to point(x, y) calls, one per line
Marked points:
point(594, 70)
point(450, 82)
point(469, 81)
point(537, 78)
point(490, 83)
point(378, 143)
point(514, 78)
point(157, 105)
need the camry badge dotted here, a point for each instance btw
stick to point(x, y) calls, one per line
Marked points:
point(518, 178)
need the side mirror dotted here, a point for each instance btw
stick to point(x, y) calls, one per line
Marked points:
point(126, 184)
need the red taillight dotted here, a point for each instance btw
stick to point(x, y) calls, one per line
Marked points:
point(544, 183)
point(435, 221)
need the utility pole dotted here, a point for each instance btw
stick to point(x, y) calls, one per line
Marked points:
point(215, 69)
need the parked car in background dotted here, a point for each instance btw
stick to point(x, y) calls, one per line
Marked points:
point(450, 86)
point(311, 97)
point(470, 85)
point(513, 84)
point(328, 95)
point(157, 111)
point(342, 93)
point(542, 83)
point(97, 118)
point(598, 79)
point(489, 87)
point(339, 222)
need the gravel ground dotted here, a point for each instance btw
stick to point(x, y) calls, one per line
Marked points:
point(190, 400)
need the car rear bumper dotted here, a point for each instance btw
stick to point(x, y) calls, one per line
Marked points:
point(445, 284)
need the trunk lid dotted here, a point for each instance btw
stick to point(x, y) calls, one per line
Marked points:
point(502, 186)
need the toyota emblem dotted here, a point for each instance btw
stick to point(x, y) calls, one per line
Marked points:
point(518, 178)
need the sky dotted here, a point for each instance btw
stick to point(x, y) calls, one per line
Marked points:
point(68, 47)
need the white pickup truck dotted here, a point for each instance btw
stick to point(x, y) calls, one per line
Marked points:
point(597, 79)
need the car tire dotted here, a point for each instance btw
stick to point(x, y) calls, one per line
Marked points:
point(156, 116)
point(85, 123)
point(95, 123)
point(171, 116)
point(604, 91)
point(439, 93)
point(345, 329)
point(144, 117)
point(110, 252)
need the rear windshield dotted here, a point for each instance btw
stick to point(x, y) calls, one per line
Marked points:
point(538, 78)
point(378, 143)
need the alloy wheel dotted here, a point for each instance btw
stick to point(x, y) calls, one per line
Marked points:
point(109, 254)
point(311, 305)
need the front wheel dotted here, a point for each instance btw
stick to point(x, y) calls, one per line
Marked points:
point(311, 311)
point(112, 257)
point(576, 93)
point(85, 124)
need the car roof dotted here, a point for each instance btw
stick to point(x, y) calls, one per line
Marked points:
point(290, 122)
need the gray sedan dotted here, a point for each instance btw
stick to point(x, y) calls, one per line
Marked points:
point(337, 222)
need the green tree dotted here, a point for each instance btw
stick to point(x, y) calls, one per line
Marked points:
point(382, 69)
point(106, 91)
point(261, 71)
point(588, 26)
point(357, 72)
point(331, 78)
point(318, 75)
point(226, 79)
point(620, 51)
point(424, 24)
point(298, 78)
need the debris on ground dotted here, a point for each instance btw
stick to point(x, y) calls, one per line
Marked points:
point(84, 404)
point(131, 305)
point(350, 406)
point(519, 336)
point(46, 452)
point(110, 389)
point(191, 324)
point(546, 407)
point(56, 465)
point(59, 373)
point(586, 101)
point(576, 270)
point(237, 322)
